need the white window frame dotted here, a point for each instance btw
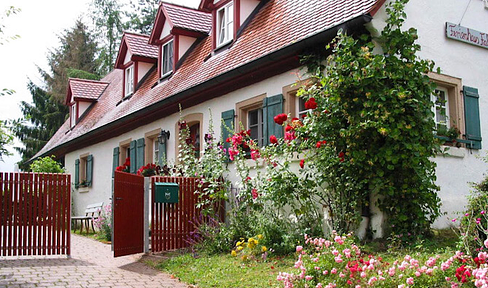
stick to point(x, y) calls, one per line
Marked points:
point(73, 114)
point(155, 151)
point(443, 106)
point(299, 112)
point(129, 80)
point(167, 58)
point(225, 24)
point(259, 124)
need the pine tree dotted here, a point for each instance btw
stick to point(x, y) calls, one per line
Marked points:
point(141, 16)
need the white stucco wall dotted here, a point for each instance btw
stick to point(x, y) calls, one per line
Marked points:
point(184, 44)
point(460, 60)
point(247, 6)
point(143, 69)
point(82, 106)
point(128, 55)
point(166, 30)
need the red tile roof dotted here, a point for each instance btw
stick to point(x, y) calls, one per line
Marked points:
point(85, 89)
point(187, 18)
point(278, 25)
point(139, 45)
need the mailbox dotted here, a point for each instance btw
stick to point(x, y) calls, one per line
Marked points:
point(166, 192)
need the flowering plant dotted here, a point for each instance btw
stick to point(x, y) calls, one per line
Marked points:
point(149, 169)
point(250, 250)
point(124, 167)
point(104, 223)
point(339, 262)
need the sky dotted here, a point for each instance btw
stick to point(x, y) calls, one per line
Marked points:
point(39, 23)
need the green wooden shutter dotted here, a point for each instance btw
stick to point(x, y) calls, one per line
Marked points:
point(140, 153)
point(115, 161)
point(472, 116)
point(133, 156)
point(272, 106)
point(227, 123)
point(89, 170)
point(77, 173)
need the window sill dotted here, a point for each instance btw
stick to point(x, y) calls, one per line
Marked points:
point(83, 189)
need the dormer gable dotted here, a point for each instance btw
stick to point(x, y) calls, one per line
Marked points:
point(136, 57)
point(176, 29)
point(80, 95)
point(227, 18)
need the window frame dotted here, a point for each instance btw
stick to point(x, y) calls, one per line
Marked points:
point(455, 101)
point(242, 113)
point(224, 25)
point(164, 58)
point(124, 151)
point(129, 81)
point(443, 106)
point(190, 120)
point(83, 169)
point(73, 114)
point(151, 142)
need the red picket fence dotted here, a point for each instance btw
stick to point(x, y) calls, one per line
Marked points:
point(172, 224)
point(35, 214)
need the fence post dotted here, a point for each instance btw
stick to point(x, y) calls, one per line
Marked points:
point(147, 185)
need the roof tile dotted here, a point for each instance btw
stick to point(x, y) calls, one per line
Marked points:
point(189, 19)
point(139, 45)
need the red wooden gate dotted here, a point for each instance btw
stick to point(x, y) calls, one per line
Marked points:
point(128, 212)
point(171, 224)
point(35, 214)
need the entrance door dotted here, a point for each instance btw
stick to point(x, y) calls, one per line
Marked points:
point(128, 213)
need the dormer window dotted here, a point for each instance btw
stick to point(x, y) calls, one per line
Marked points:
point(129, 80)
point(225, 24)
point(73, 114)
point(167, 63)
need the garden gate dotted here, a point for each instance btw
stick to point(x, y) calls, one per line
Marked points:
point(128, 214)
point(35, 214)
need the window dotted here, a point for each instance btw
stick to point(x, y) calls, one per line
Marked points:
point(155, 146)
point(73, 114)
point(167, 61)
point(129, 80)
point(84, 171)
point(301, 111)
point(194, 123)
point(256, 114)
point(440, 108)
point(124, 151)
point(256, 125)
point(225, 24)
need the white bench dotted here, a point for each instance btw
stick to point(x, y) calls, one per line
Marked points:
point(92, 212)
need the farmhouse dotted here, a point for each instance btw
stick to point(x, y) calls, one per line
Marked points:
point(238, 60)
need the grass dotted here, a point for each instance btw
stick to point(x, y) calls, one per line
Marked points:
point(225, 270)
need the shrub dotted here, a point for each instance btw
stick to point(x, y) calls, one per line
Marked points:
point(46, 165)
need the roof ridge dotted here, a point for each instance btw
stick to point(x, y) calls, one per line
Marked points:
point(185, 7)
point(88, 80)
point(136, 34)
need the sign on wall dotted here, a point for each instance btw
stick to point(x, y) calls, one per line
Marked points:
point(460, 33)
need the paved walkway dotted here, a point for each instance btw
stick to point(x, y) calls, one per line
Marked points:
point(91, 265)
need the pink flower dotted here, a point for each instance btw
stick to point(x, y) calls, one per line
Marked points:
point(486, 243)
point(308, 278)
point(299, 248)
point(482, 212)
point(410, 281)
point(333, 271)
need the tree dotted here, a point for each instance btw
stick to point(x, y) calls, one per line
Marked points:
point(5, 139)
point(141, 16)
point(41, 120)
point(77, 51)
point(107, 17)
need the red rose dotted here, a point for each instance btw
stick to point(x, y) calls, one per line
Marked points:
point(318, 144)
point(341, 154)
point(273, 139)
point(302, 163)
point(311, 104)
point(280, 118)
point(288, 128)
point(254, 193)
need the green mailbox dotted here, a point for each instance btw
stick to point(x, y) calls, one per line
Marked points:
point(166, 192)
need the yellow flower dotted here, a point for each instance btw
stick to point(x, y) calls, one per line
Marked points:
point(244, 257)
point(260, 236)
point(264, 249)
point(240, 248)
point(233, 253)
point(239, 243)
